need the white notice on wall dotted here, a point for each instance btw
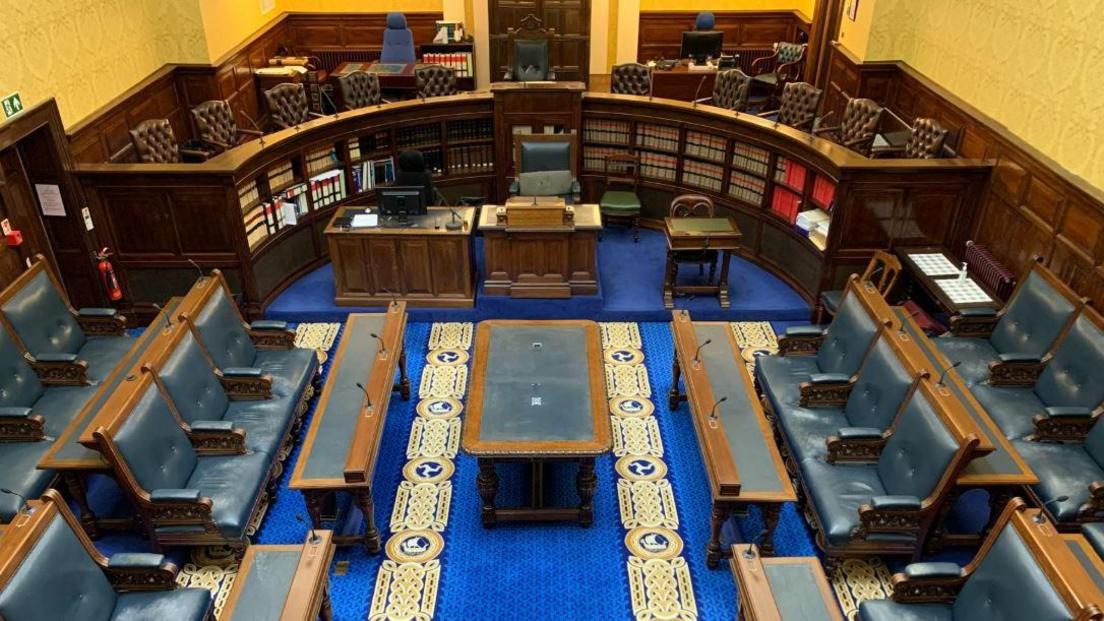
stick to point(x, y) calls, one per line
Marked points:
point(49, 197)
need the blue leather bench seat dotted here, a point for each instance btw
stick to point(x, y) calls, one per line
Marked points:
point(1070, 379)
point(233, 483)
point(1065, 470)
point(19, 474)
point(1032, 320)
point(1094, 533)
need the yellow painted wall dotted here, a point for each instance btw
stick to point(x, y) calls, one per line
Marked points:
point(855, 35)
point(805, 6)
point(229, 22)
point(362, 6)
point(1032, 66)
point(86, 53)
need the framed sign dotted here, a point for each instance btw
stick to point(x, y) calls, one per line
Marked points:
point(853, 10)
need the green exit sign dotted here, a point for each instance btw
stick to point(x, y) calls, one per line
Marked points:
point(12, 104)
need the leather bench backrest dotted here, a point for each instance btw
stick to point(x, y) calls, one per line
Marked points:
point(223, 333)
point(1009, 585)
point(1094, 442)
point(19, 384)
point(1074, 376)
point(58, 580)
point(1035, 316)
point(847, 338)
point(42, 319)
point(530, 60)
point(195, 389)
point(537, 156)
point(154, 446)
point(919, 451)
point(882, 386)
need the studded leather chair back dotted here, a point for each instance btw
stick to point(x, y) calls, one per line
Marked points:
point(789, 52)
point(436, 81)
point(925, 140)
point(730, 90)
point(154, 142)
point(287, 104)
point(215, 122)
point(859, 124)
point(800, 101)
point(631, 79)
point(359, 89)
point(692, 205)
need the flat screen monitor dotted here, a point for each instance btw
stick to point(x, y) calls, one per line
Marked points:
point(400, 202)
point(701, 44)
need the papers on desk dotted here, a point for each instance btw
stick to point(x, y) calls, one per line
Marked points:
point(934, 264)
point(963, 291)
point(365, 220)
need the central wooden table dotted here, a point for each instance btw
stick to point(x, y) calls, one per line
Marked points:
point(680, 82)
point(537, 396)
point(339, 452)
point(737, 445)
point(699, 235)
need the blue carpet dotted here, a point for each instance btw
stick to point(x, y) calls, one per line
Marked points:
point(631, 278)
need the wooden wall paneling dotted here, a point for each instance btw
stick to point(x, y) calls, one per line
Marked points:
point(318, 32)
point(661, 31)
point(570, 49)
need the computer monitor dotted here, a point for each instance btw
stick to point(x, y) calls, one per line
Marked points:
point(400, 202)
point(701, 44)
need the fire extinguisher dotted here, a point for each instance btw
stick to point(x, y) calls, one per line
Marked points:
point(107, 275)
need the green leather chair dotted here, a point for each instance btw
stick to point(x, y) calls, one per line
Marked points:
point(620, 201)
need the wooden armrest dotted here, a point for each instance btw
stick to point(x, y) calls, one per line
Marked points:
point(315, 114)
point(60, 372)
point(901, 521)
point(21, 425)
point(265, 336)
point(845, 448)
point(1016, 372)
point(819, 394)
point(179, 512)
point(97, 322)
point(1059, 425)
point(923, 583)
point(129, 571)
point(978, 326)
point(800, 344)
point(764, 60)
point(217, 438)
point(250, 132)
point(196, 153)
point(245, 387)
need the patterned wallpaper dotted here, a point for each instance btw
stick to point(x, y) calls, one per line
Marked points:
point(1032, 66)
point(85, 53)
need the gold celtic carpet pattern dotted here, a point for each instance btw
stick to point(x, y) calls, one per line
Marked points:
point(755, 338)
point(659, 577)
point(408, 579)
point(317, 336)
point(858, 580)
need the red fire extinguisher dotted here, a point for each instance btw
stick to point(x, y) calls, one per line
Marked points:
point(107, 275)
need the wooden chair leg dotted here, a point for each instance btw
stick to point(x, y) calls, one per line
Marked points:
point(636, 228)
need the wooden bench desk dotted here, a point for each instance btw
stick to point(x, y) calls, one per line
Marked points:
point(699, 234)
point(784, 589)
point(285, 582)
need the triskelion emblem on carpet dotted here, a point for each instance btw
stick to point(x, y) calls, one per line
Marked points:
point(428, 470)
point(654, 542)
point(449, 357)
point(631, 407)
point(624, 355)
point(414, 546)
point(440, 407)
point(641, 468)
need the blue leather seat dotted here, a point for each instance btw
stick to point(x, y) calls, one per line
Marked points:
point(398, 41)
point(18, 473)
point(1065, 470)
point(1030, 323)
point(1094, 533)
point(1070, 379)
point(545, 170)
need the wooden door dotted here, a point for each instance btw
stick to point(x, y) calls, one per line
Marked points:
point(570, 49)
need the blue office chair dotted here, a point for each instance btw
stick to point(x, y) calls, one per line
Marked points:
point(398, 41)
point(705, 21)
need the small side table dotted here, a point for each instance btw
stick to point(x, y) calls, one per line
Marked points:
point(699, 234)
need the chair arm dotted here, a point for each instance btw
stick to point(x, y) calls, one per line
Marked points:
point(551, 74)
point(19, 424)
point(923, 583)
point(761, 61)
point(976, 322)
point(890, 514)
point(1016, 369)
point(270, 334)
point(800, 340)
point(704, 100)
point(59, 369)
point(826, 390)
point(245, 383)
point(178, 507)
point(101, 321)
point(217, 437)
point(195, 153)
point(250, 132)
point(768, 113)
point(1094, 507)
point(1064, 424)
point(783, 70)
point(316, 115)
point(140, 571)
point(852, 444)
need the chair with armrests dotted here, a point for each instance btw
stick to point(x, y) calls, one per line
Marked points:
point(287, 105)
point(546, 165)
point(398, 41)
point(772, 73)
point(155, 143)
point(620, 201)
point(857, 128)
point(1009, 347)
point(799, 105)
point(1071, 472)
point(693, 206)
point(1024, 571)
point(882, 270)
point(631, 79)
point(359, 89)
point(926, 140)
point(216, 125)
point(51, 570)
point(435, 81)
point(528, 51)
point(730, 90)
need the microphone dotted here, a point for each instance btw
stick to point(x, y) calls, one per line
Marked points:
point(713, 412)
point(333, 103)
point(697, 354)
point(701, 83)
point(168, 316)
point(196, 266)
point(17, 495)
point(383, 346)
point(254, 124)
point(901, 328)
point(394, 296)
point(756, 544)
point(454, 224)
point(366, 395)
point(946, 371)
point(313, 538)
point(1040, 518)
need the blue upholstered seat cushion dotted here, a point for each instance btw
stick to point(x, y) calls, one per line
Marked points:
point(60, 404)
point(780, 377)
point(398, 41)
point(1063, 470)
point(830, 300)
point(974, 355)
point(291, 369)
point(42, 319)
point(836, 493)
point(1094, 532)
point(233, 483)
point(178, 604)
point(889, 610)
point(103, 353)
point(19, 474)
point(807, 429)
point(19, 384)
point(265, 422)
point(1011, 408)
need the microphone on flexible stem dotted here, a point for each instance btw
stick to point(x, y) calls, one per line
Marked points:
point(901, 328)
point(383, 346)
point(196, 266)
point(255, 126)
point(17, 495)
point(314, 538)
point(454, 224)
point(701, 83)
point(168, 316)
point(713, 412)
point(1041, 518)
point(943, 375)
point(756, 544)
point(394, 296)
point(366, 395)
point(697, 354)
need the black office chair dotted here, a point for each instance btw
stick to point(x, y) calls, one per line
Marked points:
point(412, 172)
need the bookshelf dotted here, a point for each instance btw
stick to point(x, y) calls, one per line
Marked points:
point(607, 132)
point(658, 166)
point(418, 136)
point(705, 147)
point(703, 175)
point(657, 137)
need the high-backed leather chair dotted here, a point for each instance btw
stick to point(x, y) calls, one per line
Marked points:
point(546, 167)
point(435, 81)
point(925, 140)
point(216, 125)
point(631, 79)
point(799, 105)
point(398, 41)
point(287, 105)
point(882, 270)
point(359, 89)
point(730, 90)
point(53, 571)
point(783, 66)
point(693, 206)
point(155, 143)
point(529, 49)
point(858, 126)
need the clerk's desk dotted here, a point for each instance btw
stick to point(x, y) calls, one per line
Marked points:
point(424, 264)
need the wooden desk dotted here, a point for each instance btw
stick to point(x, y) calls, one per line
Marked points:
point(393, 77)
point(736, 441)
point(929, 285)
point(786, 589)
point(538, 395)
point(424, 264)
point(720, 234)
point(285, 582)
point(679, 82)
point(545, 262)
point(339, 452)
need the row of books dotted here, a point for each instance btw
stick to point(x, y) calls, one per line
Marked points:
point(368, 144)
point(434, 161)
point(281, 176)
point(814, 224)
point(594, 158)
point(475, 129)
point(791, 174)
point(606, 132)
point(702, 175)
point(471, 159)
point(705, 146)
point(327, 188)
point(786, 204)
point(658, 166)
point(746, 188)
point(248, 195)
point(657, 137)
point(460, 62)
point(371, 173)
point(418, 135)
point(750, 159)
point(321, 160)
point(271, 216)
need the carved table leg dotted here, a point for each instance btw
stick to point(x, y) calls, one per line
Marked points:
point(326, 612)
point(587, 482)
point(363, 499)
point(770, 512)
point(404, 381)
point(673, 395)
point(487, 482)
point(717, 521)
point(670, 274)
point(74, 485)
point(314, 500)
point(722, 284)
